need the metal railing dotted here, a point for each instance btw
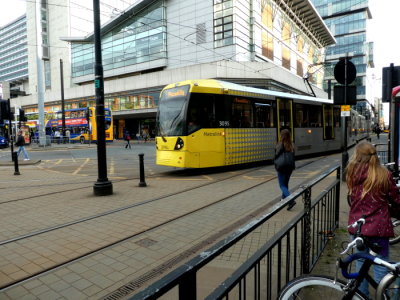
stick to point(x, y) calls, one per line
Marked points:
point(382, 152)
point(293, 251)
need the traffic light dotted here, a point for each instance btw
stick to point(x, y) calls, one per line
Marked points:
point(4, 111)
point(390, 79)
point(87, 114)
point(22, 117)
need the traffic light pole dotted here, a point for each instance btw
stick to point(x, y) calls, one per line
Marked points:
point(10, 135)
point(345, 155)
point(62, 98)
point(102, 186)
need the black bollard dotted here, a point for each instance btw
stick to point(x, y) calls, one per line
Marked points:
point(142, 182)
point(15, 159)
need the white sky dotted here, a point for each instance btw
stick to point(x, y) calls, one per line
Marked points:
point(382, 30)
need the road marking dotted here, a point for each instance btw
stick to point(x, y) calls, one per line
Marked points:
point(81, 167)
point(112, 166)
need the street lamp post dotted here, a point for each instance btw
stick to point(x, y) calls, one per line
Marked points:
point(62, 99)
point(102, 187)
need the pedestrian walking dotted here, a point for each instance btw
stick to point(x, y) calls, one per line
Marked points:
point(68, 135)
point(31, 135)
point(285, 163)
point(372, 191)
point(21, 144)
point(377, 131)
point(57, 136)
point(128, 140)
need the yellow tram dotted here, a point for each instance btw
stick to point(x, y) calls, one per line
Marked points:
point(210, 123)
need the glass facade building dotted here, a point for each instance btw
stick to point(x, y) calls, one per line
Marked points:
point(347, 20)
point(139, 39)
point(14, 51)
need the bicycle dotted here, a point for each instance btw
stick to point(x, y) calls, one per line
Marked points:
point(325, 287)
point(395, 222)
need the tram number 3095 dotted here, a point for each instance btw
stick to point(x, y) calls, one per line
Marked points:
point(224, 123)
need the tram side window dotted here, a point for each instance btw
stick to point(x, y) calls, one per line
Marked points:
point(201, 112)
point(264, 115)
point(242, 113)
point(315, 114)
point(302, 119)
point(336, 116)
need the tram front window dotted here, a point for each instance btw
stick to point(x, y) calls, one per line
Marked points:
point(171, 111)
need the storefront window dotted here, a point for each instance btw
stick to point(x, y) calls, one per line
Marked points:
point(115, 104)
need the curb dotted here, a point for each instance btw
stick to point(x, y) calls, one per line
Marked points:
point(20, 163)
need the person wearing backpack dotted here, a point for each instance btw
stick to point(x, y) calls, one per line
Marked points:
point(128, 140)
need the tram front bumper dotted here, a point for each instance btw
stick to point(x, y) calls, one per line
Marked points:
point(180, 159)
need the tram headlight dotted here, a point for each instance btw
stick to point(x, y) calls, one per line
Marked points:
point(179, 144)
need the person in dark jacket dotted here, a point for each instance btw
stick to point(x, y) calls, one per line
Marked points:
point(127, 138)
point(21, 144)
point(371, 189)
point(285, 145)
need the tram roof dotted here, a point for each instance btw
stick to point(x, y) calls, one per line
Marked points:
point(225, 87)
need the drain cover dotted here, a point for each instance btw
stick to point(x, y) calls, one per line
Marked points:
point(146, 242)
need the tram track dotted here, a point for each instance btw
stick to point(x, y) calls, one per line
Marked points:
point(4, 242)
point(35, 234)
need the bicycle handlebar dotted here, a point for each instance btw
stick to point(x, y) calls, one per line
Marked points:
point(357, 242)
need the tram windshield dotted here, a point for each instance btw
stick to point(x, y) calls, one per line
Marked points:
point(171, 111)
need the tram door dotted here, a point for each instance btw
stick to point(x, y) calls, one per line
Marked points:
point(285, 115)
point(329, 132)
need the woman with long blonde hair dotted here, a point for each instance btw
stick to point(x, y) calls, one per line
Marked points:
point(371, 190)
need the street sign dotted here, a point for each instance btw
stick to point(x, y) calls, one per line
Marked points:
point(345, 70)
point(345, 110)
point(338, 95)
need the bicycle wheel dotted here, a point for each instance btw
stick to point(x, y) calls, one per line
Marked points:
point(313, 287)
point(396, 229)
point(389, 288)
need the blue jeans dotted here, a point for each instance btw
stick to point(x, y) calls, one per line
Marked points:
point(22, 149)
point(379, 272)
point(283, 179)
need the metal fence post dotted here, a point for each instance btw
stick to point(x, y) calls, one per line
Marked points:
point(142, 182)
point(15, 159)
point(337, 200)
point(306, 247)
point(187, 287)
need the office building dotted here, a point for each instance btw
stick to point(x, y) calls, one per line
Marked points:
point(14, 55)
point(347, 20)
point(148, 44)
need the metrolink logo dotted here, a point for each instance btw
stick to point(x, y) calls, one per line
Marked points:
point(212, 133)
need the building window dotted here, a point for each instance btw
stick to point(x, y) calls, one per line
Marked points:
point(299, 66)
point(141, 38)
point(285, 49)
point(268, 45)
point(47, 74)
point(223, 22)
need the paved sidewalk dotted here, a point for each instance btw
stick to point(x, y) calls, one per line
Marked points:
point(40, 199)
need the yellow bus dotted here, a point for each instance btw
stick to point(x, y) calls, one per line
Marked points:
point(81, 124)
point(210, 123)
